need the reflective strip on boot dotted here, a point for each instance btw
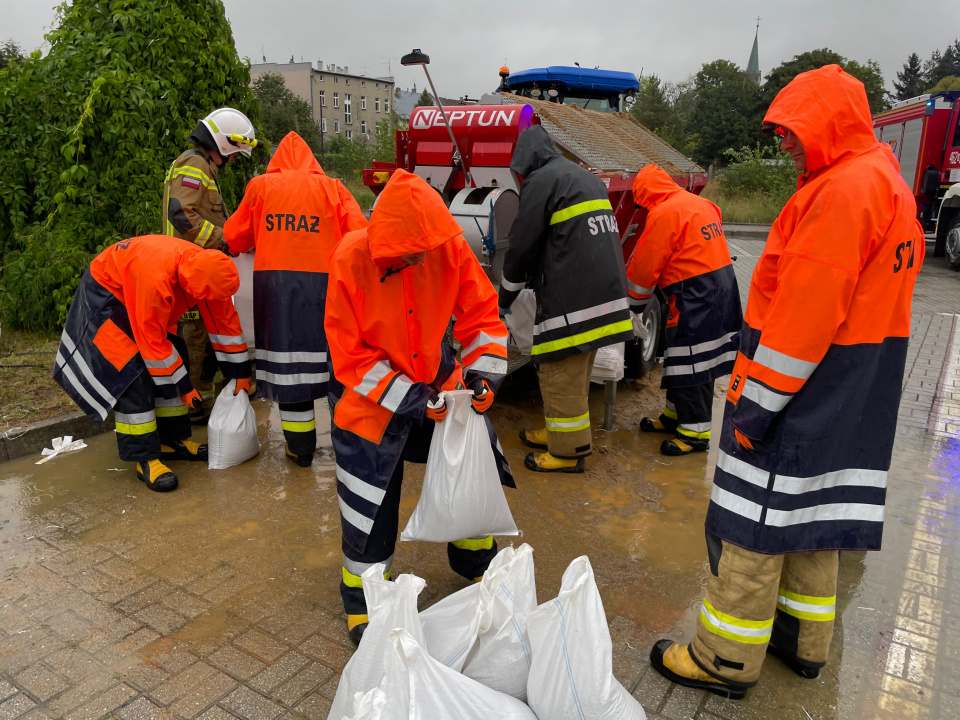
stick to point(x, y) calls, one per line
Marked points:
point(582, 422)
point(807, 607)
point(352, 570)
point(136, 423)
point(474, 544)
point(298, 421)
point(750, 632)
point(695, 431)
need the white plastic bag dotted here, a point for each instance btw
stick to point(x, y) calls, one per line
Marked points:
point(243, 300)
point(481, 630)
point(417, 687)
point(608, 364)
point(462, 496)
point(571, 676)
point(232, 430)
point(390, 605)
point(521, 319)
point(369, 706)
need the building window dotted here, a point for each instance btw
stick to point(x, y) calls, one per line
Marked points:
point(386, 106)
point(347, 81)
point(323, 100)
point(336, 100)
point(323, 125)
point(363, 102)
point(363, 83)
point(363, 126)
point(336, 79)
point(349, 134)
point(336, 127)
point(378, 86)
point(347, 110)
point(376, 104)
point(319, 78)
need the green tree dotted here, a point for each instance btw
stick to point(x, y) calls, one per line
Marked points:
point(425, 99)
point(281, 112)
point(950, 82)
point(725, 112)
point(942, 64)
point(869, 74)
point(10, 52)
point(88, 131)
point(910, 81)
point(385, 149)
point(345, 158)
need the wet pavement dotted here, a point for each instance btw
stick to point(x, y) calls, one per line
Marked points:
point(220, 600)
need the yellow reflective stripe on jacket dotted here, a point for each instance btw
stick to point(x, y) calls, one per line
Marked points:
point(206, 230)
point(138, 429)
point(581, 422)
point(807, 607)
point(474, 543)
point(579, 209)
point(750, 632)
point(208, 182)
point(291, 426)
point(583, 338)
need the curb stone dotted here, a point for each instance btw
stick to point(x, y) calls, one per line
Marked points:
point(747, 230)
point(26, 440)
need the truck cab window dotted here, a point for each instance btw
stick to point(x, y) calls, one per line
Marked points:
point(956, 134)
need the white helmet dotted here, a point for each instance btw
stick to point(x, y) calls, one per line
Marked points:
point(232, 131)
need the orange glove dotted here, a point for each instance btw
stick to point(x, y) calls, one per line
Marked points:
point(436, 409)
point(482, 396)
point(244, 384)
point(743, 440)
point(192, 400)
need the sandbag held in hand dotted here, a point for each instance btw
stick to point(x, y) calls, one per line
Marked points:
point(232, 430)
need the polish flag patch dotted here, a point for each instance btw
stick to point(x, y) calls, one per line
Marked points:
point(190, 182)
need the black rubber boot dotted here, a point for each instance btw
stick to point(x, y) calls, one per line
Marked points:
point(178, 450)
point(805, 671)
point(156, 476)
point(683, 446)
point(649, 425)
point(356, 632)
point(547, 463)
point(717, 688)
point(303, 461)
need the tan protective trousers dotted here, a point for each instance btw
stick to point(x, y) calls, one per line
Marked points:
point(565, 386)
point(202, 363)
point(754, 599)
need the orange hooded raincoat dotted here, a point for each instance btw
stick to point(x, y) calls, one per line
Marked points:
point(816, 386)
point(294, 215)
point(386, 324)
point(683, 251)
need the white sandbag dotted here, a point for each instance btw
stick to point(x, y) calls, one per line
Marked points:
point(232, 430)
point(417, 687)
point(571, 677)
point(390, 605)
point(608, 364)
point(521, 320)
point(481, 630)
point(369, 706)
point(243, 300)
point(462, 496)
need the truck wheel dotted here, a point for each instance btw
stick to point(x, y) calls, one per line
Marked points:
point(652, 319)
point(952, 245)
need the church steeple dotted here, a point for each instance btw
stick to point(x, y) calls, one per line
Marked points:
point(753, 67)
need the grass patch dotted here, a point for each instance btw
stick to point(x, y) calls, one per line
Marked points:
point(746, 207)
point(361, 193)
point(27, 392)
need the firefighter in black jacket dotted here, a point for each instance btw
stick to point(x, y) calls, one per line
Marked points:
point(565, 245)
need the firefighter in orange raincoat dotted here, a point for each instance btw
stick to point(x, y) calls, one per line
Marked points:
point(392, 292)
point(683, 251)
point(812, 407)
point(119, 348)
point(294, 215)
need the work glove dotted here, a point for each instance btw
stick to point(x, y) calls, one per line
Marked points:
point(436, 408)
point(482, 396)
point(244, 384)
point(192, 400)
point(743, 440)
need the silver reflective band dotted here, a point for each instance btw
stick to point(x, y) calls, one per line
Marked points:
point(78, 386)
point(135, 418)
point(488, 364)
point(291, 357)
point(360, 487)
point(373, 377)
point(687, 350)
point(297, 416)
point(164, 402)
point(762, 632)
point(807, 607)
point(764, 397)
point(639, 290)
point(85, 369)
point(784, 364)
point(237, 357)
point(823, 513)
point(669, 405)
point(360, 522)
point(178, 375)
point(169, 362)
point(511, 286)
point(700, 366)
point(549, 324)
point(359, 568)
point(397, 392)
point(484, 339)
point(579, 316)
point(228, 339)
point(743, 470)
point(696, 427)
point(293, 378)
point(851, 477)
point(736, 504)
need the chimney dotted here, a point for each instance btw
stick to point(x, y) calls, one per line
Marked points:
point(291, 59)
point(320, 65)
point(346, 70)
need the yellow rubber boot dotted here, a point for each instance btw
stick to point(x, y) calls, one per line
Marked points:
point(536, 439)
point(546, 463)
point(356, 625)
point(157, 476)
point(674, 662)
point(183, 450)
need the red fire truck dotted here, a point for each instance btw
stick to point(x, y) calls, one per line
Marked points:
point(924, 133)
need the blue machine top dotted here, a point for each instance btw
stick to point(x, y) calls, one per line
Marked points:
point(612, 81)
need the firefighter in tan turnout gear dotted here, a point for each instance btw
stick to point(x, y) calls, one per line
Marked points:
point(193, 210)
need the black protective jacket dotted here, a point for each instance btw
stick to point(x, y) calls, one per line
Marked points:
point(565, 245)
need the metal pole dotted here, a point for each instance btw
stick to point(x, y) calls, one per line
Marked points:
point(453, 139)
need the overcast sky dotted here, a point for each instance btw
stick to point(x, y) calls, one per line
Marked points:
point(468, 41)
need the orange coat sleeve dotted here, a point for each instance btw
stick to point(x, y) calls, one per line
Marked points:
point(478, 327)
point(150, 318)
point(650, 257)
point(239, 231)
point(226, 336)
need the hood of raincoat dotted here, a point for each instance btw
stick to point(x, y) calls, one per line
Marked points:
point(209, 275)
point(535, 148)
point(828, 111)
point(293, 153)
point(652, 186)
point(410, 217)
